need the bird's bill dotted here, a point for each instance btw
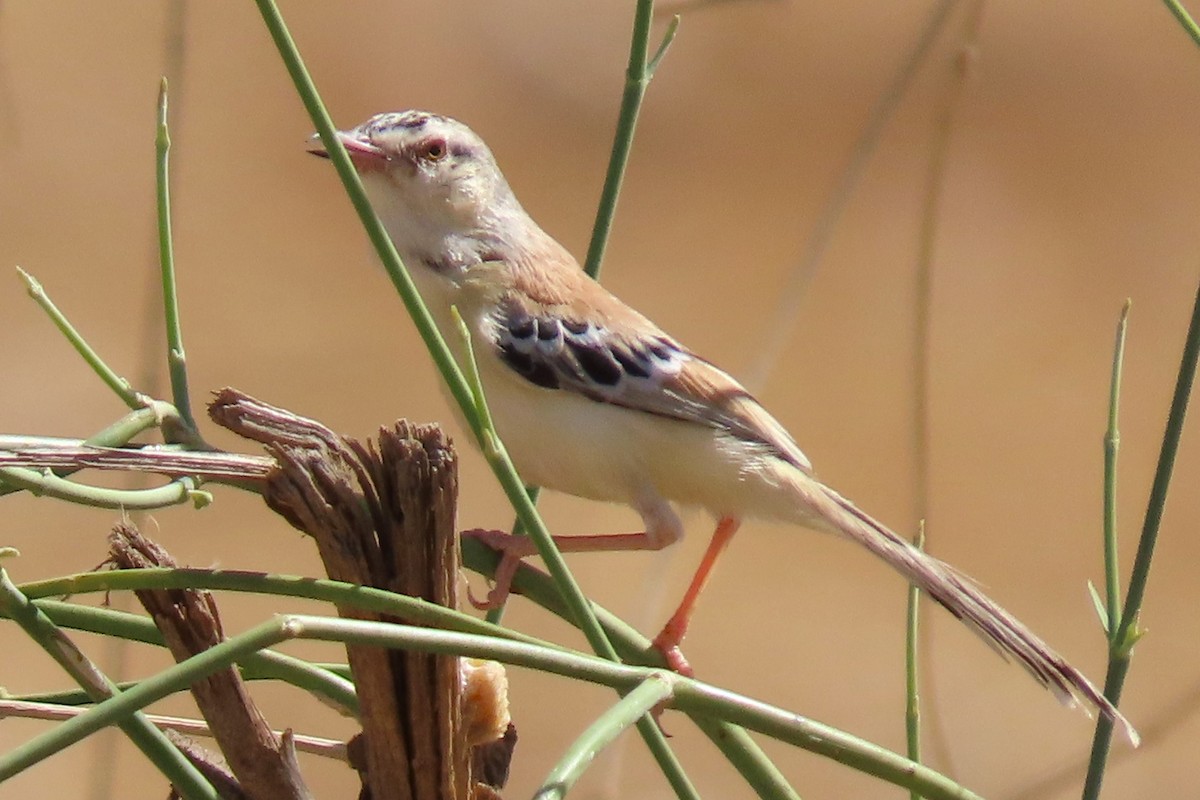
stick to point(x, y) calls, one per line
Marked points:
point(360, 151)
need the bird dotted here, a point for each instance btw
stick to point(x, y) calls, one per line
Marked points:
point(593, 399)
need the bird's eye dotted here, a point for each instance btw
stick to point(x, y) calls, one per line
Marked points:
point(433, 150)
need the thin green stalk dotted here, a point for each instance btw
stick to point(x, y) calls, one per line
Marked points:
point(275, 631)
point(490, 437)
point(119, 385)
point(631, 103)
point(123, 430)
point(1112, 443)
point(538, 588)
point(737, 745)
point(600, 734)
point(185, 778)
point(733, 741)
point(47, 484)
point(912, 690)
point(63, 697)
point(375, 231)
point(115, 435)
point(176, 359)
point(496, 615)
point(339, 593)
point(637, 78)
point(120, 706)
point(578, 605)
point(497, 457)
point(1180, 13)
point(457, 384)
point(691, 696)
point(334, 689)
point(1121, 649)
point(458, 387)
point(251, 669)
point(785, 726)
point(956, 74)
point(13, 708)
point(747, 758)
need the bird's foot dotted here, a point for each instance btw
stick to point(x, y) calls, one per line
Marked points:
point(511, 549)
point(667, 643)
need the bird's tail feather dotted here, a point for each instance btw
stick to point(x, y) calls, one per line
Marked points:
point(1000, 629)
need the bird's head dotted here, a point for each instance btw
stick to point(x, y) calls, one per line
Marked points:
point(433, 182)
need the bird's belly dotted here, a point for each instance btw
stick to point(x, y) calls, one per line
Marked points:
point(602, 451)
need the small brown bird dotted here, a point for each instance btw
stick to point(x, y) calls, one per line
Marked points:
point(593, 399)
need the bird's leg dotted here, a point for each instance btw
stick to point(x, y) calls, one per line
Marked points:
point(668, 640)
point(514, 548)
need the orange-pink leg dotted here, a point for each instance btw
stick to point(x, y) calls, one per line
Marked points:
point(514, 548)
point(668, 640)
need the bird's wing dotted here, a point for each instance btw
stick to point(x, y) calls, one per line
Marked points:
point(611, 354)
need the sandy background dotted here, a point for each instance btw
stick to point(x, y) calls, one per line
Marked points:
point(1073, 182)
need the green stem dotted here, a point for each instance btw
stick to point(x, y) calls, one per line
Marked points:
point(579, 607)
point(663, 47)
point(1112, 443)
point(740, 749)
point(691, 696)
point(501, 466)
point(1121, 649)
point(119, 385)
point(618, 161)
point(13, 708)
point(912, 691)
point(154, 743)
point(600, 734)
point(332, 688)
point(375, 231)
point(496, 615)
point(457, 384)
point(497, 457)
point(119, 706)
point(339, 593)
point(790, 728)
point(733, 740)
point(47, 484)
point(637, 78)
point(176, 359)
point(1180, 13)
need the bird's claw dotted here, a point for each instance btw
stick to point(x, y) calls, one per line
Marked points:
point(494, 598)
point(668, 646)
point(511, 549)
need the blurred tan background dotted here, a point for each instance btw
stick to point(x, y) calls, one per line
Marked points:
point(1073, 182)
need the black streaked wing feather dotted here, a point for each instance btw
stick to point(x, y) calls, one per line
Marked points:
point(648, 372)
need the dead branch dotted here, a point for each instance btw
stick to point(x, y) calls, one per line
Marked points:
point(382, 515)
point(190, 623)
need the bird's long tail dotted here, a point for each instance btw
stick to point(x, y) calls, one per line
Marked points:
point(960, 597)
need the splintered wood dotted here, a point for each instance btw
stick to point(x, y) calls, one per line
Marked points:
point(382, 514)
